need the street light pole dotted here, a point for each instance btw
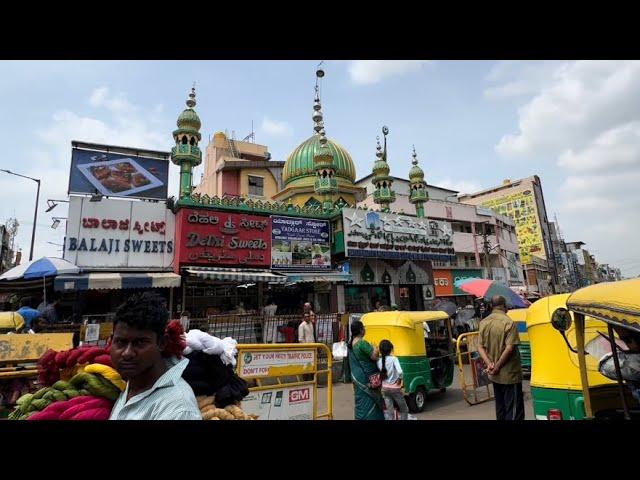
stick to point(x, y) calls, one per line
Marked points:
point(35, 218)
point(35, 213)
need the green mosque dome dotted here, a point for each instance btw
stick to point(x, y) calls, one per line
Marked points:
point(299, 164)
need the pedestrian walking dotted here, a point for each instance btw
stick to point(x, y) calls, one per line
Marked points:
point(391, 373)
point(362, 358)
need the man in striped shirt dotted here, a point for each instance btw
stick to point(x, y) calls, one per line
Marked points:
point(155, 387)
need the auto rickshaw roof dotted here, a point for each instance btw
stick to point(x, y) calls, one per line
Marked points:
point(402, 318)
point(541, 311)
point(611, 302)
point(11, 321)
point(518, 314)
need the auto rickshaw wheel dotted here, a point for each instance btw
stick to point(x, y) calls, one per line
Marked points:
point(417, 400)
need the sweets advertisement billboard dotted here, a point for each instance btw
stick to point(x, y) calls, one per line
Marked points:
point(128, 173)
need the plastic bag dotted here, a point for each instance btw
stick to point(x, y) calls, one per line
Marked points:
point(339, 350)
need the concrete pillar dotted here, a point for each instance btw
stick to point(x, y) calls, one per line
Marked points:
point(339, 291)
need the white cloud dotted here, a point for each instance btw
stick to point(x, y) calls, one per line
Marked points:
point(584, 118)
point(275, 128)
point(116, 122)
point(462, 186)
point(117, 104)
point(366, 72)
point(618, 147)
point(516, 78)
point(584, 99)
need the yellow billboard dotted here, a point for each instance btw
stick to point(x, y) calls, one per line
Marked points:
point(521, 207)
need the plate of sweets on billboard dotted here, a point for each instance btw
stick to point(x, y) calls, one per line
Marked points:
point(121, 177)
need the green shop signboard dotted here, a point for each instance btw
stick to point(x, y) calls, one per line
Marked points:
point(461, 274)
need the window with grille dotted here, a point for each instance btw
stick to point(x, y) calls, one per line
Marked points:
point(256, 186)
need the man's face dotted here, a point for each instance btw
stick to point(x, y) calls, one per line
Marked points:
point(134, 351)
point(307, 307)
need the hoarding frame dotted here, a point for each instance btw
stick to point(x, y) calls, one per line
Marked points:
point(118, 150)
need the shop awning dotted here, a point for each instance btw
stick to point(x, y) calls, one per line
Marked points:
point(236, 275)
point(100, 281)
point(299, 277)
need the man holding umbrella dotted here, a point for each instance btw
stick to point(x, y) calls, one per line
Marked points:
point(498, 347)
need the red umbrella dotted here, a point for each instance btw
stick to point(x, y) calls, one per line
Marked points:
point(486, 289)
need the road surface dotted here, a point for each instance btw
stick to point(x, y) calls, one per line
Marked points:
point(449, 405)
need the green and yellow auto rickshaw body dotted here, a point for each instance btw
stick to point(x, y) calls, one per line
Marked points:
point(519, 316)
point(556, 378)
point(601, 308)
point(426, 358)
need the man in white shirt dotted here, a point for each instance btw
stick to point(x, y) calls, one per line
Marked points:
point(305, 335)
point(305, 330)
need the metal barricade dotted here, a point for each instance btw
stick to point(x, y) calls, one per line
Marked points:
point(276, 329)
point(474, 381)
point(282, 389)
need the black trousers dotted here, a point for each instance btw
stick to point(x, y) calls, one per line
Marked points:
point(509, 401)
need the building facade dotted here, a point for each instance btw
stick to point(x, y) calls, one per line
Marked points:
point(523, 201)
point(235, 168)
point(471, 226)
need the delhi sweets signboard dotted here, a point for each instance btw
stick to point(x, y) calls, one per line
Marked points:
point(392, 236)
point(210, 238)
point(300, 244)
point(119, 234)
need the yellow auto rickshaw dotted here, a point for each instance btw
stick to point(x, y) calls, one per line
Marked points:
point(556, 388)
point(11, 322)
point(519, 317)
point(597, 317)
point(423, 343)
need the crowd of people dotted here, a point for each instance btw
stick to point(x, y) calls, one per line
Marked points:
point(36, 315)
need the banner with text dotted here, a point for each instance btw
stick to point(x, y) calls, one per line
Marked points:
point(210, 238)
point(300, 244)
point(119, 234)
point(392, 236)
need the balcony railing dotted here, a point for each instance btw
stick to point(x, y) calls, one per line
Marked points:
point(419, 195)
point(326, 184)
point(186, 150)
point(384, 194)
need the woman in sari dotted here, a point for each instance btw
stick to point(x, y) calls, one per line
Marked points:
point(362, 362)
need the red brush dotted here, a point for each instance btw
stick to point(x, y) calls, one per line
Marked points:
point(90, 354)
point(93, 414)
point(48, 372)
point(88, 405)
point(176, 339)
point(104, 359)
point(72, 359)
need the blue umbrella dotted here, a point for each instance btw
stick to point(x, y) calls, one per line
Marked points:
point(43, 267)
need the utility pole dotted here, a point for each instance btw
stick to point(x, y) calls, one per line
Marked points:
point(487, 249)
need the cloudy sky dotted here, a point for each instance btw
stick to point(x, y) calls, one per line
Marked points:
point(473, 123)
